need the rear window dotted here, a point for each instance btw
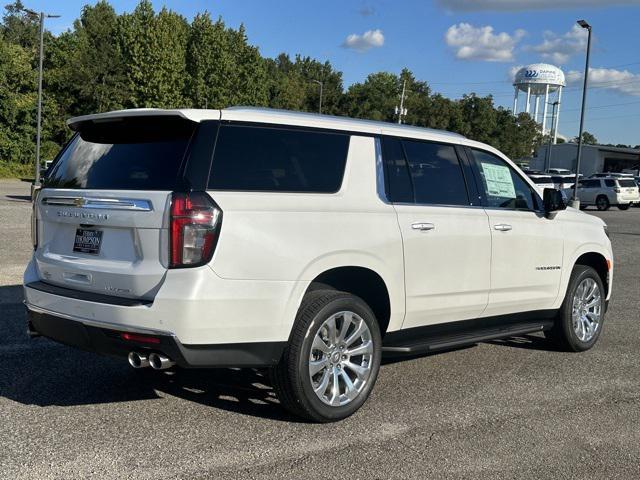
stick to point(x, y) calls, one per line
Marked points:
point(627, 183)
point(249, 158)
point(141, 153)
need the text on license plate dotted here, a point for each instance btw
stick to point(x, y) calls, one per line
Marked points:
point(87, 241)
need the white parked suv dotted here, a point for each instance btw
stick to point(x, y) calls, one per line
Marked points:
point(305, 244)
point(605, 192)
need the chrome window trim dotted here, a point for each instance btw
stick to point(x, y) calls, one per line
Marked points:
point(133, 204)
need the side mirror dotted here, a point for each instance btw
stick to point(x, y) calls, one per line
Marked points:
point(553, 200)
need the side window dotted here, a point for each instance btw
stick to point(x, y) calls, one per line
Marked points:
point(397, 179)
point(278, 160)
point(436, 173)
point(610, 183)
point(591, 183)
point(502, 186)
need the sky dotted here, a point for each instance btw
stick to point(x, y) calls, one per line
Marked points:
point(457, 46)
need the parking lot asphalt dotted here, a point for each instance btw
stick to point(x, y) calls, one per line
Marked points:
point(505, 409)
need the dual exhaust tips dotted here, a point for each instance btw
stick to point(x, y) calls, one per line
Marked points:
point(157, 361)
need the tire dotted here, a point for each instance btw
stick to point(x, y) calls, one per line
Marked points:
point(602, 203)
point(565, 333)
point(292, 378)
point(624, 206)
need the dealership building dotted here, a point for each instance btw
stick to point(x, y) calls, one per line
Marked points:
point(595, 158)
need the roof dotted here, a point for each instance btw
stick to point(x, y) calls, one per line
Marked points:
point(604, 148)
point(273, 116)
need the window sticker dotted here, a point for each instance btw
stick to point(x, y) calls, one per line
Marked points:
point(498, 180)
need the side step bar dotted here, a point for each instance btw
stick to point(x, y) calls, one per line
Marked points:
point(427, 341)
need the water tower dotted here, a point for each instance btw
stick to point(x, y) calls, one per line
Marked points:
point(539, 80)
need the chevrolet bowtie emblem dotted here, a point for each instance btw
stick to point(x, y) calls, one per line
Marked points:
point(79, 202)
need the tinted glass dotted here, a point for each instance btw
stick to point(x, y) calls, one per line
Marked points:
point(503, 187)
point(131, 154)
point(541, 180)
point(272, 159)
point(436, 173)
point(398, 183)
point(627, 183)
point(591, 184)
point(610, 183)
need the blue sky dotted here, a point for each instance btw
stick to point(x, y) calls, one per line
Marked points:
point(458, 46)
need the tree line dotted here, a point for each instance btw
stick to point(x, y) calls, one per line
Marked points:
point(146, 58)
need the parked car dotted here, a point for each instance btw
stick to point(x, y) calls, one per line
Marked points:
point(611, 175)
point(304, 244)
point(561, 171)
point(542, 181)
point(605, 192)
point(562, 182)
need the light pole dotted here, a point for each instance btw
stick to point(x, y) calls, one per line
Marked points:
point(41, 16)
point(575, 201)
point(547, 162)
point(320, 103)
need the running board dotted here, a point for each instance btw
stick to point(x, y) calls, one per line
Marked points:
point(440, 339)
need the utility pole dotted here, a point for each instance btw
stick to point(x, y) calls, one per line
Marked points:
point(401, 112)
point(320, 102)
point(41, 16)
point(575, 201)
point(547, 161)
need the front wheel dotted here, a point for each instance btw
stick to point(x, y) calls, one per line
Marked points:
point(624, 206)
point(579, 322)
point(331, 363)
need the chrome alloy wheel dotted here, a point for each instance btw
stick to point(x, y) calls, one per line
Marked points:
point(341, 358)
point(586, 311)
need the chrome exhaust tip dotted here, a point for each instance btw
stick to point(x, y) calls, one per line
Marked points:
point(138, 360)
point(158, 361)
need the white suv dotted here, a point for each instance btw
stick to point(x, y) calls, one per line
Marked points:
point(605, 192)
point(305, 244)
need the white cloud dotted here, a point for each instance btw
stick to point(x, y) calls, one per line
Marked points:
point(558, 48)
point(480, 43)
point(523, 5)
point(512, 72)
point(621, 81)
point(362, 43)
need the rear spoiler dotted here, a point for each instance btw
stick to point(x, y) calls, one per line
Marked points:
point(193, 115)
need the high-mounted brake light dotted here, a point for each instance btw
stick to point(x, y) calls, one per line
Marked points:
point(195, 226)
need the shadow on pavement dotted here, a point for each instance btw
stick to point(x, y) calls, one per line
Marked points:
point(19, 198)
point(44, 373)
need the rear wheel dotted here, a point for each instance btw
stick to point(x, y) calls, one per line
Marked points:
point(333, 357)
point(624, 206)
point(602, 203)
point(579, 322)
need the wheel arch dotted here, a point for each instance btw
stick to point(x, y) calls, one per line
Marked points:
point(362, 282)
point(599, 263)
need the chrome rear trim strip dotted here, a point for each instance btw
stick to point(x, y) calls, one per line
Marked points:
point(101, 203)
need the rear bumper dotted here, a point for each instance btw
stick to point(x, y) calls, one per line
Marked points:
point(105, 340)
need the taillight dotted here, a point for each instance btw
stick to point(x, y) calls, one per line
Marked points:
point(195, 226)
point(617, 190)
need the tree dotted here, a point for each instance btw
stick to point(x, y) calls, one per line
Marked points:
point(154, 51)
point(17, 104)
point(97, 71)
point(587, 138)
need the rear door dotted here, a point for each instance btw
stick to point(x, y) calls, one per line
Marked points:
point(102, 221)
point(446, 239)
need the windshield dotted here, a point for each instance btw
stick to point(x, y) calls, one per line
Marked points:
point(137, 153)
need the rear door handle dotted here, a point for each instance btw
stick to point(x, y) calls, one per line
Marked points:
point(502, 227)
point(423, 226)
